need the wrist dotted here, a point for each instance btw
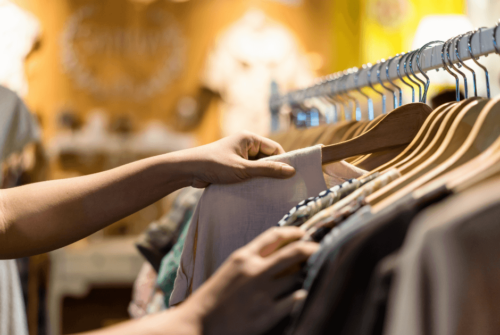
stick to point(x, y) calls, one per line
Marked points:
point(181, 165)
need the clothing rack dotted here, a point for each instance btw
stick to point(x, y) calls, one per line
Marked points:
point(482, 44)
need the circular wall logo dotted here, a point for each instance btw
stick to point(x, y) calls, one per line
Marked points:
point(118, 60)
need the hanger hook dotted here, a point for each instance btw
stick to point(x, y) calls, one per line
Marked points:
point(415, 76)
point(370, 69)
point(380, 63)
point(408, 56)
point(457, 43)
point(466, 91)
point(424, 98)
point(402, 80)
point(445, 66)
point(390, 81)
point(356, 111)
point(337, 81)
point(368, 99)
point(473, 57)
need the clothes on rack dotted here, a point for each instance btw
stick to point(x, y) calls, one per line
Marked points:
point(161, 245)
point(446, 274)
point(311, 206)
point(230, 216)
point(338, 291)
point(407, 246)
point(160, 236)
point(170, 263)
point(143, 291)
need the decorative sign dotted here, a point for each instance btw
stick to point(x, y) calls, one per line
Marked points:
point(116, 61)
point(390, 13)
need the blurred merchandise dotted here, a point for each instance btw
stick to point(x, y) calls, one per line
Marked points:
point(246, 58)
point(19, 31)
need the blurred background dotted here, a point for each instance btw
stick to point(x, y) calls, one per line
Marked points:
point(110, 82)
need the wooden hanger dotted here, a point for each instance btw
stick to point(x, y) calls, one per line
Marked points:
point(454, 138)
point(368, 125)
point(372, 161)
point(484, 166)
point(427, 152)
point(396, 128)
point(423, 137)
point(481, 143)
point(383, 160)
point(335, 135)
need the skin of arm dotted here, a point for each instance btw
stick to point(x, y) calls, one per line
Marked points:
point(45, 216)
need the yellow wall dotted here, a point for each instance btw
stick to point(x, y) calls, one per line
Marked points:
point(382, 37)
point(365, 31)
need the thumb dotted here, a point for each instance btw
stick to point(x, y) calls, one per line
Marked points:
point(265, 168)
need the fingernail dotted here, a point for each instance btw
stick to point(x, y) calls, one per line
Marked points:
point(287, 170)
point(300, 295)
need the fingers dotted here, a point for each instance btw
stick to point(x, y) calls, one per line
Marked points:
point(268, 169)
point(290, 256)
point(273, 239)
point(258, 144)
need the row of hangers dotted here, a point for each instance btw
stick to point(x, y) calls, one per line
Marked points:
point(455, 145)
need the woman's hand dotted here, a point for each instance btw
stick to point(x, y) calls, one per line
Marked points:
point(253, 290)
point(233, 159)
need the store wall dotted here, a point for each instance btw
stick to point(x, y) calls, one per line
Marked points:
point(388, 26)
point(111, 55)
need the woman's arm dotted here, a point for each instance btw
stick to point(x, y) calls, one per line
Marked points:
point(45, 216)
point(251, 292)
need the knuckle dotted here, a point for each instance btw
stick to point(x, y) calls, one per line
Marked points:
point(239, 257)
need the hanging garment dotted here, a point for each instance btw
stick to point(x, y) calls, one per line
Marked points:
point(322, 222)
point(162, 234)
point(447, 276)
point(12, 311)
point(309, 207)
point(338, 292)
point(170, 263)
point(375, 307)
point(143, 291)
point(18, 127)
point(230, 216)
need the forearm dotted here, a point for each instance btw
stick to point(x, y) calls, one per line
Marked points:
point(45, 216)
point(176, 321)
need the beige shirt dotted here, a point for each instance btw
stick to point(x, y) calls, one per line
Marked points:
point(229, 216)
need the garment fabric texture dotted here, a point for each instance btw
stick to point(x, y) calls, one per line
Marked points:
point(446, 279)
point(170, 263)
point(374, 310)
point(321, 223)
point(142, 292)
point(12, 309)
point(18, 126)
point(229, 216)
point(309, 207)
point(17, 129)
point(160, 236)
point(340, 290)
